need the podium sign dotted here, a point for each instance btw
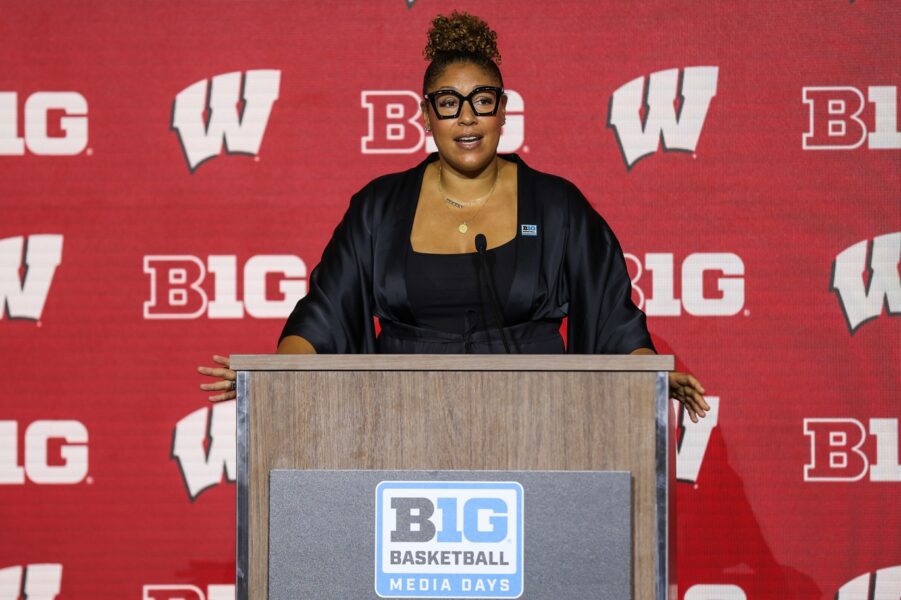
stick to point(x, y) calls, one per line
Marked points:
point(448, 538)
point(449, 534)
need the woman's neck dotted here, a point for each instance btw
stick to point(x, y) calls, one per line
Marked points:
point(468, 185)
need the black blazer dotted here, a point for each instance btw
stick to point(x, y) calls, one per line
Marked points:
point(573, 268)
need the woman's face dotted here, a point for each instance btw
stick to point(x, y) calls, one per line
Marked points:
point(467, 143)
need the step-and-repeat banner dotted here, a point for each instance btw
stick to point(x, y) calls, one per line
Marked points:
point(171, 171)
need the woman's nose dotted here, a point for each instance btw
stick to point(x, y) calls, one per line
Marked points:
point(467, 114)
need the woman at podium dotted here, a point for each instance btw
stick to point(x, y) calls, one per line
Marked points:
point(469, 251)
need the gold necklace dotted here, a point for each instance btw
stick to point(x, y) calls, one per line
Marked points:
point(464, 226)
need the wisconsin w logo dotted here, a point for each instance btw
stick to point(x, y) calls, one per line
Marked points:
point(638, 137)
point(884, 583)
point(241, 130)
point(204, 445)
point(31, 582)
point(694, 439)
point(25, 298)
point(862, 302)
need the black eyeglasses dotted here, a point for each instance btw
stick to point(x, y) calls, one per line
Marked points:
point(484, 101)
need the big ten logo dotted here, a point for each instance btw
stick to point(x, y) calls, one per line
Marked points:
point(238, 108)
point(31, 582)
point(55, 124)
point(456, 539)
point(693, 440)
point(884, 584)
point(395, 123)
point(187, 592)
point(55, 452)
point(717, 591)
point(862, 301)
point(642, 116)
point(709, 284)
point(837, 123)
point(180, 286)
point(203, 443)
point(36, 258)
point(838, 453)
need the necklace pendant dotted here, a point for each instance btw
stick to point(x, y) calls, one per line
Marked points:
point(463, 228)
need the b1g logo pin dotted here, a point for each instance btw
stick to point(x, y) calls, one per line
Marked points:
point(448, 539)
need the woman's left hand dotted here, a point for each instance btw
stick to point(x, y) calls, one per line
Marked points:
point(689, 391)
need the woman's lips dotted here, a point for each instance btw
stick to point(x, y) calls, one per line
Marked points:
point(468, 142)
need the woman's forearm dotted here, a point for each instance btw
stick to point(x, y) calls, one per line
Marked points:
point(294, 344)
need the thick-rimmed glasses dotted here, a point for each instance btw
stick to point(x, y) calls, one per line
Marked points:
point(484, 101)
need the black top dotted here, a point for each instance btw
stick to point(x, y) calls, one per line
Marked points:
point(568, 264)
point(447, 294)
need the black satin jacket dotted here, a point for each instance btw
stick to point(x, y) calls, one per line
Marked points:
point(573, 268)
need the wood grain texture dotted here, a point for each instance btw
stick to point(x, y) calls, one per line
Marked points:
point(504, 420)
point(451, 362)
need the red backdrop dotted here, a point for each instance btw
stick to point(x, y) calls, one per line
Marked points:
point(746, 154)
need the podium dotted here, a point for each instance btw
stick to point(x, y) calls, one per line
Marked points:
point(458, 412)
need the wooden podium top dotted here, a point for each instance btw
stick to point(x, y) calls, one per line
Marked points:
point(451, 362)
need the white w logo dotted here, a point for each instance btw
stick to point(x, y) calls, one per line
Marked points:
point(25, 299)
point(679, 131)
point(204, 445)
point(241, 132)
point(861, 303)
point(41, 582)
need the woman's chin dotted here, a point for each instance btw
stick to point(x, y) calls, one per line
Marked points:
point(470, 161)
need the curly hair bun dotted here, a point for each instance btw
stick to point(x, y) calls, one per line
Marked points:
point(461, 32)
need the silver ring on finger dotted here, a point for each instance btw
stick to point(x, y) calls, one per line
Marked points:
point(232, 385)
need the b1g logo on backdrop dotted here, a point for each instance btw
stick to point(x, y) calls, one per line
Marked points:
point(55, 453)
point(837, 450)
point(715, 591)
point(241, 132)
point(56, 124)
point(37, 258)
point(639, 137)
point(449, 539)
point(395, 123)
point(860, 301)
point(187, 592)
point(836, 123)
point(711, 284)
point(31, 582)
point(177, 286)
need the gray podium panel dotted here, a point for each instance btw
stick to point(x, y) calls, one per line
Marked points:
point(554, 535)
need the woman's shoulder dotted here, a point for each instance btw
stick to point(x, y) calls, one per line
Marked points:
point(552, 194)
point(543, 181)
point(386, 195)
point(393, 184)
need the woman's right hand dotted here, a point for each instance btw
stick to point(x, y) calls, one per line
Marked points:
point(227, 378)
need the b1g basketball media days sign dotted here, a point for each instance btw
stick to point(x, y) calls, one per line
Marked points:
point(564, 535)
point(448, 539)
